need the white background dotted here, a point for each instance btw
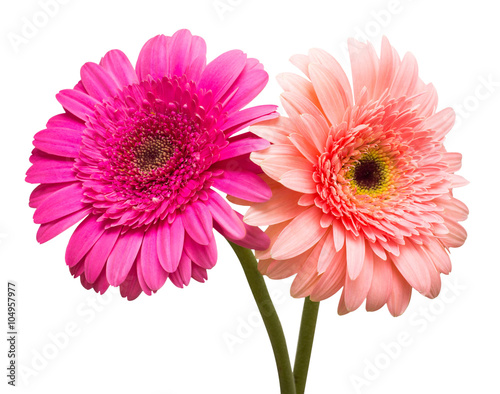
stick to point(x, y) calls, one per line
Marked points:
point(176, 341)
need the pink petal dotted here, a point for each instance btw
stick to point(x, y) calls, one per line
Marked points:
point(307, 276)
point(205, 256)
point(356, 290)
point(83, 239)
point(48, 168)
point(97, 81)
point(301, 62)
point(254, 238)
point(334, 101)
point(276, 152)
point(328, 253)
point(277, 165)
point(197, 221)
point(97, 256)
point(294, 83)
point(220, 73)
point(272, 232)
point(406, 77)
point(296, 105)
point(78, 103)
point(438, 255)
point(332, 279)
point(198, 274)
point(47, 231)
point(61, 203)
point(339, 234)
point(130, 288)
point(281, 269)
point(314, 130)
point(299, 180)
point(152, 59)
point(400, 295)
point(248, 85)
point(123, 255)
point(364, 66)
point(170, 243)
point(441, 122)
point(323, 58)
point(185, 270)
point(282, 206)
point(153, 273)
point(243, 184)
point(140, 277)
point(355, 254)
point(275, 130)
point(411, 264)
point(243, 144)
point(41, 192)
point(389, 63)
point(61, 142)
point(117, 64)
point(247, 117)
point(183, 49)
point(301, 234)
point(308, 150)
point(381, 286)
point(224, 215)
point(66, 121)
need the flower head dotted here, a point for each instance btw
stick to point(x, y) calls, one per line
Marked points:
point(362, 184)
point(138, 154)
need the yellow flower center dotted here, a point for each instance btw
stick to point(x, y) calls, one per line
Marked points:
point(370, 174)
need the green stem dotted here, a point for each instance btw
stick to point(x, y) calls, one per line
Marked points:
point(305, 343)
point(270, 317)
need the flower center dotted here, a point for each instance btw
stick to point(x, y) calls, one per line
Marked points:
point(370, 174)
point(153, 153)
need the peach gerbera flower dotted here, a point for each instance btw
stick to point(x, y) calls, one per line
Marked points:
point(362, 184)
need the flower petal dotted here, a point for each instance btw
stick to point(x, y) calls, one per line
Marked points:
point(97, 81)
point(97, 256)
point(243, 184)
point(83, 239)
point(153, 273)
point(152, 59)
point(224, 215)
point(170, 243)
point(197, 221)
point(60, 142)
point(78, 103)
point(117, 64)
point(123, 255)
point(61, 203)
point(220, 73)
point(303, 232)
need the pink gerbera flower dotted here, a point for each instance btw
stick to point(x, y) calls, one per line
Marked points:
point(137, 155)
point(362, 184)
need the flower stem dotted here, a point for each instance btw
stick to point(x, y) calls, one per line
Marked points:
point(270, 317)
point(305, 343)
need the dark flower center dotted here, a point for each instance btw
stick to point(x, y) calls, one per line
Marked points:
point(153, 153)
point(368, 173)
